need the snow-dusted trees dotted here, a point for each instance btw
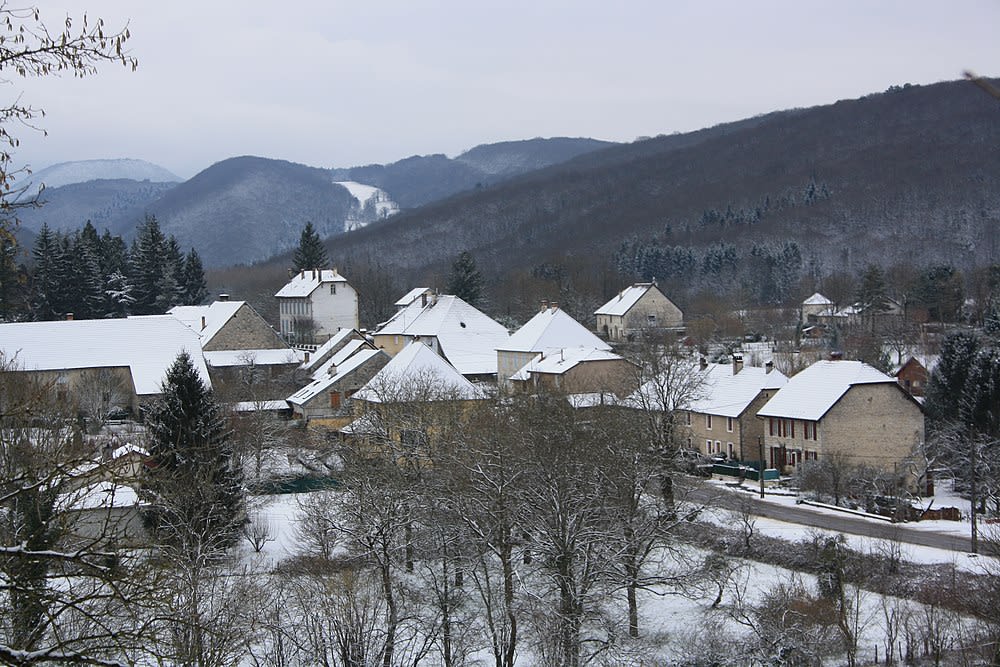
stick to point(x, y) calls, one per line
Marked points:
point(465, 281)
point(68, 592)
point(310, 253)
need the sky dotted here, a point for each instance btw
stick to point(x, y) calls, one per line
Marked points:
point(337, 84)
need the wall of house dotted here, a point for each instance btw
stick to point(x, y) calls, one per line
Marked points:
point(873, 424)
point(69, 387)
point(334, 306)
point(334, 409)
point(913, 378)
point(653, 303)
point(723, 440)
point(246, 330)
point(510, 362)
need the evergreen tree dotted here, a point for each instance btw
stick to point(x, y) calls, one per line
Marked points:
point(86, 274)
point(872, 297)
point(193, 284)
point(148, 266)
point(196, 478)
point(311, 254)
point(43, 284)
point(947, 383)
point(13, 280)
point(465, 281)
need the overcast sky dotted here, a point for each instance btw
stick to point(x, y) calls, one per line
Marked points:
point(330, 83)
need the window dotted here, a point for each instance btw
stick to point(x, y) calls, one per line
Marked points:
point(651, 320)
point(805, 430)
point(687, 418)
point(334, 399)
point(333, 288)
point(729, 424)
point(718, 446)
point(732, 450)
point(708, 422)
point(770, 426)
point(708, 446)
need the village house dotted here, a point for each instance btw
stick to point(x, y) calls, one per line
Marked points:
point(119, 363)
point(639, 307)
point(912, 375)
point(721, 416)
point(814, 306)
point(550, 330)
point(315, 359)
point(842, 410)
point(324, 401)
point(314, 305)
point(575, 371)
point(463, 335)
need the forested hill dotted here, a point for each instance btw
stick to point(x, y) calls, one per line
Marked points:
point(909, 175)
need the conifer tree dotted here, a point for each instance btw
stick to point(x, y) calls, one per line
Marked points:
point(311, 254)
point(196, 479)
point(465, 280)
point(45, 254)
point(193, 284)
point(148, 265)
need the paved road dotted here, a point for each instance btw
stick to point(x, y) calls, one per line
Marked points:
point(806, 516)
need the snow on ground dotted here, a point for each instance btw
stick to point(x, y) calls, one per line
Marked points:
point(383, 204)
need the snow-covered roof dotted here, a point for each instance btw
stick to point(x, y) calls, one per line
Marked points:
point(561, 361)
point(628, 297)
point(714, 390)
point(148, 345)
point(316, 387)
point(552, 329)
point(99, 495)
point(304, 282)
point(330, 367)
point(412, 296)
point(592, 399)
point(214, 315)
point(813, 391)
point(257, 406)
point(417, 374)
point(468, 338)
point(323, 352)
point(269, 357)
point(128, 448)
point(817, 299)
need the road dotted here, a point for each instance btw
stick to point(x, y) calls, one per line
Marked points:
point(803, 515)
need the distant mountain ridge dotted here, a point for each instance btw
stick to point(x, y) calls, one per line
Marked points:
point(82, 171)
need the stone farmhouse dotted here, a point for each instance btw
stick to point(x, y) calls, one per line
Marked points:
point(639, 307)
point(315, 304)
point(841, 410)
point(577, 370)
point(119, 361)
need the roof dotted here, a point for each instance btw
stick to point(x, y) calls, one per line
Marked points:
point(627, 298)
point(323, 352)
point(331, 366)
point(812, 392)
point(557, 363)
point(714, 390)
point(552, 329)
point(304, 282)
point(147, 344)
point(817, 299)
point(269, 357)
point(417, 373)
point(316, 387)
point(257, 406)
point(468, 338)
point(412, 296)
point(214, 315)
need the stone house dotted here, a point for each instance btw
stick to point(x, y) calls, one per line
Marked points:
point(639, 307)
point(815, 306)
point(549, 331)
point(101, 364)
point(461, 334)
point(721, 417)
point(577, 370)
point(229, 325)
point(315, 304)
point(842, 410)
point(324, 401)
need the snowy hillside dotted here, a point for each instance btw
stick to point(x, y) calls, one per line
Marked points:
point(67, 173)
point(372, 204)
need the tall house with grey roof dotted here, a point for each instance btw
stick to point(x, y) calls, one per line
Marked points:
point(639, 307)
point(845, 411)
point(315, 304)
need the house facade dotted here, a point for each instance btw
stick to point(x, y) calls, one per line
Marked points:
point(639, 307)
point(577, 371)
point(229, 325)
point(315, 304)
point(721, 418)
point(325, 401)
point(845, 411)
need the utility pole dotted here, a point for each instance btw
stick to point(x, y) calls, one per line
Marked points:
point(973, 491)
point(760, 470)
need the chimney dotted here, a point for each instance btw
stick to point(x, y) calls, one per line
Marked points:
point(335, 274)
point(291, 273)
point(737, 363)
point(555, 305)
point(768, 367)
point(303, 273)
point(202, 322)
point(423, 299)
point(306, 360)
point(703, 363)
point(836, 355)
point(545, 305)
point(223, 297)
point(314, 274)
point(69, 317)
